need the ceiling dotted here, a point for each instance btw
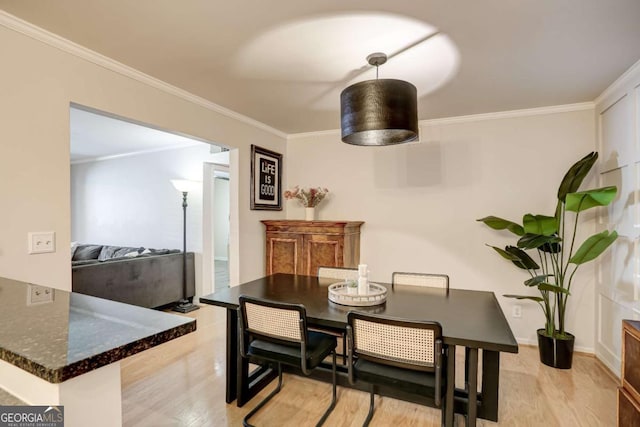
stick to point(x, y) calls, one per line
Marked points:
point(95, 136)
point(285, 62)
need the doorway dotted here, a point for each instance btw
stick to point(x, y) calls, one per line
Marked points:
point(123, 166)
point(218, 253)
point(221, 226)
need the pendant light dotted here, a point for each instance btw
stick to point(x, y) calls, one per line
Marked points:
point(379, 112)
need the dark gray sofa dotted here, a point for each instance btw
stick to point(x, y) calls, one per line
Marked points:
point(145, 277)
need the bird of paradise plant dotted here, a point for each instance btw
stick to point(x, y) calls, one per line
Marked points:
point(553, 242)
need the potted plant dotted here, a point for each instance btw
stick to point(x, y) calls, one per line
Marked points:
point(556, 256)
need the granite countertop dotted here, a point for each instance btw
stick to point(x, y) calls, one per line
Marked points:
point(73, 333)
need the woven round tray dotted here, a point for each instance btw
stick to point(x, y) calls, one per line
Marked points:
point(338, 293)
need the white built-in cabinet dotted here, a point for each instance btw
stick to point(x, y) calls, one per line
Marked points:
point(618, 270)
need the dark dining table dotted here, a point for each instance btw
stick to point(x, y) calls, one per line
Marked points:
point(470, 319)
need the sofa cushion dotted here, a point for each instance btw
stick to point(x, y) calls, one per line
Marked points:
point(84, 252)
point(111, 252)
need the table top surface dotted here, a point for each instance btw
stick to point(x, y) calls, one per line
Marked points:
point(74, 334)
point(468, 318)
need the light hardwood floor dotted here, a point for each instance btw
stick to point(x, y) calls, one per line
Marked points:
point(181, 383)
point(222, 274)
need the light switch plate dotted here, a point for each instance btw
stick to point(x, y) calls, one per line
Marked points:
point(41, 242)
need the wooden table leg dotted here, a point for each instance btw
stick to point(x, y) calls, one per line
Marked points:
point(451, 385)
point(471, 367)
point(232, 355)
point(490, 382)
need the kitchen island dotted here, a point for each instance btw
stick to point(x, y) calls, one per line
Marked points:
point(64, 348)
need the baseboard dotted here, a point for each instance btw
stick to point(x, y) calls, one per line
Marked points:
point(611, 360)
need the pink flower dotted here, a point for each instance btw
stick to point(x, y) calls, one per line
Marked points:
point(308, 197)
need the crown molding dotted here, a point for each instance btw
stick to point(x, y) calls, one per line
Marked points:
point(554, 109)
point(621, 83)
point(180, 146)
point(314, 134)
point(539, 111)
point(16, 24)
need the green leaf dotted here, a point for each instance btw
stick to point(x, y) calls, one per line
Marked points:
point(502, 224)
point(536, 299)
point(576, 173)
point(552, 288)
point(593, 247)
point(519, 257)
point(535, 281)
point(523, 261)
point(540, 224)
point(552, 248)
point(534, 241)
point(505, 254)
point(583, 200)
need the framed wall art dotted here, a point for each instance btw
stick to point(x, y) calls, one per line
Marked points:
point(266, 179)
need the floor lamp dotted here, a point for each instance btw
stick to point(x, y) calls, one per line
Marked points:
point(184, 186)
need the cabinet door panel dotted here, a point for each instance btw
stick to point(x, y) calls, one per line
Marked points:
point(631, 360)
point(322, 251)
point(283, 254)
point(628, 411)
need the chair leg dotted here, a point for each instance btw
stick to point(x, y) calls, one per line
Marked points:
point(245, 421)
point(370, 414)
point(333, 399)
point(344, 349)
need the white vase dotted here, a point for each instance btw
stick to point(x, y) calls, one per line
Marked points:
point(310, 214)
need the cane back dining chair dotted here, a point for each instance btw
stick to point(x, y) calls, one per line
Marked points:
point(403, 354)
point(420, 279)
point(338, 273)
point(277, 333)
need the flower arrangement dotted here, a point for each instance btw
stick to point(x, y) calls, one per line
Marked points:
point(308, 197)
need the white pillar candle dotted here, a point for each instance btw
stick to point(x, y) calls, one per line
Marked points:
point(363, 286)
point(362, 270)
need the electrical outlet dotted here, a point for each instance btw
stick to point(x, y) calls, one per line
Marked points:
point(42, 242)
point(39, 294)
point(516, 311)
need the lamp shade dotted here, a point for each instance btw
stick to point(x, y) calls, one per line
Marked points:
point(184, 185)
point(379, 112)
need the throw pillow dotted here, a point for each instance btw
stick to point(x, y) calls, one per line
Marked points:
point(122, 251)
point(113, 252)
point(108, 252)
point(84, 252)
point(74, 246)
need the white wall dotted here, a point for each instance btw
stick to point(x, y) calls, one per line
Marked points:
point(618, 280)
point(221, 225)
point(40, 76)
point(420, 201)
